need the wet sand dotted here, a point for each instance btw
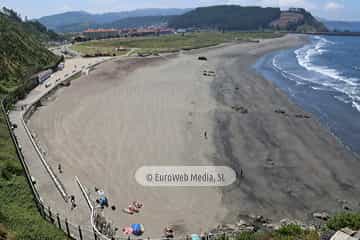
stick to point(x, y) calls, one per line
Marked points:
point(131, 113)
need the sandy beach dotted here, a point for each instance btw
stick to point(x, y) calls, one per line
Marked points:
point(154, 111)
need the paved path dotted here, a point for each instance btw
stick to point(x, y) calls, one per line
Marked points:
point(46, 187)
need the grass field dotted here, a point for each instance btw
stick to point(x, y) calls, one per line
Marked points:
point(168, 43)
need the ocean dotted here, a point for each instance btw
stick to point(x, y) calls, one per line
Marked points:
point(323, 77)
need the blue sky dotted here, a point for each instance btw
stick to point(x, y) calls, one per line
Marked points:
point(330, 9)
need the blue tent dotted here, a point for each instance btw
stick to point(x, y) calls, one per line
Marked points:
point(138, 229)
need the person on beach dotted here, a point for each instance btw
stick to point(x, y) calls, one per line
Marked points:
point(138, 204)
point(60, 168)
point(205, 135)
point(72, 200)
point(169, 232)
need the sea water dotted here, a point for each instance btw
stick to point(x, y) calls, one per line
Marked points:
point(323, 77)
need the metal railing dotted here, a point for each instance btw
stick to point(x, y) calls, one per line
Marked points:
point(71, 230)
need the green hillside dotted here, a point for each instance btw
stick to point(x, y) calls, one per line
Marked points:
point(132, 22)
point(248, 19)
point(311, 24)
point(21, 55)
point(21, 51)
point(229, 17)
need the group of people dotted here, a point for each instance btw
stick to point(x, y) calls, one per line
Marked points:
point(133, 207)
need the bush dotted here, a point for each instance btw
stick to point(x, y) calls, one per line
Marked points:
point(290, 230)
point(11, 168)
point(342, 220)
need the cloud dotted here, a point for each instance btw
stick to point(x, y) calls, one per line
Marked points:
point(65, 8)
point(333, 6)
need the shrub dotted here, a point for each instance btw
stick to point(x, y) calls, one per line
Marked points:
point(339, 221)
point(290, 230)
point(11, 168)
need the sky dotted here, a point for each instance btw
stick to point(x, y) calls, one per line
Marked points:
point(329, 9)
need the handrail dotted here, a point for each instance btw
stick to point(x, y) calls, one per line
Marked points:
point(91, 209)
point(58, 184)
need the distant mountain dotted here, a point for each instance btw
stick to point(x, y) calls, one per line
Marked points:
point(73, 21)
point(342, 25)
point(233, 17)
point(133, 22)
point(136, 22)
point(227, 17)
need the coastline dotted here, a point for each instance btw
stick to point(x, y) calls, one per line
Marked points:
point(338, 117)
point(280, 181)
point(159, 102)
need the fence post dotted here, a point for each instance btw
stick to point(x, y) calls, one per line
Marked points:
point(42, 211)
point(67, 227)
point(50, 215)
point(95, 236)
point(80, 233)
point(58, 220)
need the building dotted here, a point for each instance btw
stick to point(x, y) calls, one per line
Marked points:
point(44, 75)
point(297, 10)
point(101, 33)
point(61, 66)
point(166, 31)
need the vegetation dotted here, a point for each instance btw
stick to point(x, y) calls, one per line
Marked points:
point(78, 21)
point(288, 232)
point(342, 220)
point(136, 22)
point(227, 18)
point(170, 43)
point(21, 55)
point(34, 28)
point(132, 22)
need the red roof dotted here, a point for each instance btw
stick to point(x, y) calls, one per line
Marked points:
point(100, 30)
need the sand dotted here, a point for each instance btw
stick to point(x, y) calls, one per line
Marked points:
point(136, 112)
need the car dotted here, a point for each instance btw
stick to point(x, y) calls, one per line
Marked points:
point(202, 58)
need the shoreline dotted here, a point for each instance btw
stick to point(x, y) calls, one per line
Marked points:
point(272, 153)
point(160, 102)
point(284, 83)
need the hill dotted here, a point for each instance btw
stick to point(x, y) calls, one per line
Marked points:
point(21, 54)
point(132, 22)
point(136, 22)
point(228, 17)
point(352, 26)
point(298, 19)
point(21, 50)
point(73, 21)
point(247, 18)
